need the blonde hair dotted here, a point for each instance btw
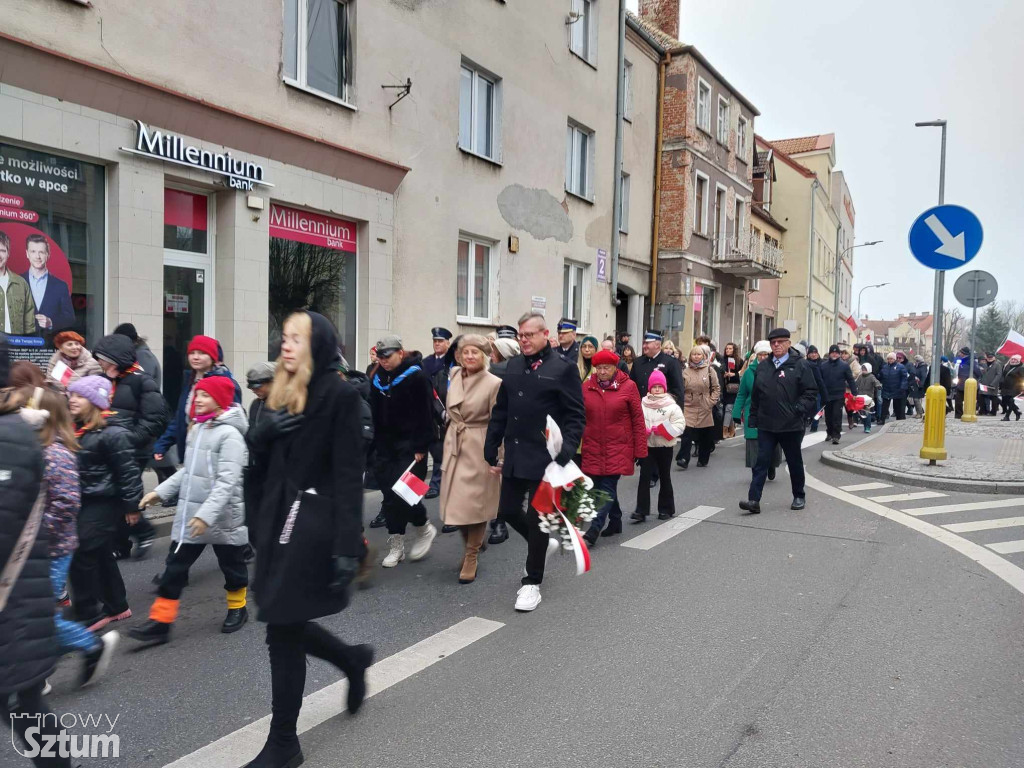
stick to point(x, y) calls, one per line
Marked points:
point(289, 390)
point(705, 352)
point(58, 425)
point(478, 341)
point(94, 418)
point(669, 348)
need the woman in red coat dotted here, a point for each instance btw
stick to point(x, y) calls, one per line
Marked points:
point(614, 438)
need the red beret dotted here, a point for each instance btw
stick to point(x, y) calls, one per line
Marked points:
point(605, 357)
point(207, 345)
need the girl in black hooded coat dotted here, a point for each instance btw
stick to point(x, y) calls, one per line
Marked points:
point(308, 528)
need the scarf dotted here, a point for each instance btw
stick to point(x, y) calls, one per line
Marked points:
point(81, 430)
point(205, 417)
point(133, 368)
point(702, 364)
point(659, 401)
point(396, 381)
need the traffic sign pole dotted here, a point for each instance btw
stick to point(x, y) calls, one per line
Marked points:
point(974, 289)
point(933, 446)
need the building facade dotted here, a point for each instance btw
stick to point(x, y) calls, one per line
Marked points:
point(842, 204)
point(766, 233)
point(371, 161)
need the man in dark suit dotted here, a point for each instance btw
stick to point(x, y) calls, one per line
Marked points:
point(537, 384)
point(654, 359)
point(53, 299)
point(568, 348)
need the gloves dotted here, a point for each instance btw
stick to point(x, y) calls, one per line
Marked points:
point(273, 425)
point(345, 570)
point(565, 456)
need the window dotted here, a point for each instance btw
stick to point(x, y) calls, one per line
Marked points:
point(623, 205)
point(474, 279)
point(582, 29)
point(700, 204)
point(703, 106)
point(741, 139)
point(579, 151)
point(723, 121)
point(705, 307)
point(318, 46)
point(574, 289)
point(479, 112)
point(627, 90)
point(720, 220)
point(738, 227)
point(185, 221)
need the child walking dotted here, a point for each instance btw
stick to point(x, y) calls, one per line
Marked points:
point(664, 421)
point(210, 510)
point(867, 384)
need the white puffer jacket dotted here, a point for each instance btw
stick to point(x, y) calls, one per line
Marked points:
point(671, 414)
point(209, 484)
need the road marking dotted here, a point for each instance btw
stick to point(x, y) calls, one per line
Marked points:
point(1007, 547)
point(670, 528)
point(865, 487)
point(985, 525)
point(909, 496)
point(1004, 569)
point(968, 507)
point(242, 746)
point(813, 438)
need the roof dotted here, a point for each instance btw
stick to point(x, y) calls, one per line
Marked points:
point(804, 144)
point(784, 157)
point(673, 46)
point(879, 327)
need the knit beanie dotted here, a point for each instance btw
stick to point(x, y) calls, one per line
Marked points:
point(220, 388)
point(206, 345)
point(593, 340)
point(657, 378)
point(127, 329)
point(95, 389)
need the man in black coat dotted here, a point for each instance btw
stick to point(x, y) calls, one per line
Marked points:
point(568, 348)
point(783, 395)
point(653, 359)
point(537, 384)
point(837, 377)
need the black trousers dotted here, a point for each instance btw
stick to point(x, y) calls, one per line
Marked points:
point(899, 408)
point(436, 456)
point(32, 711)
point(989, 404)
point(230, 558)
point(515, 510)
point(388, 468)
point(790, 444)
point(96, 582)
point(289, 644)
point(142, 529)
point(659, 459)
point(1009, 406)
point(834, 417)
point(703, 437)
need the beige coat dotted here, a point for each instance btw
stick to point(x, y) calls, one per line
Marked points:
point(701, 393)
point(469, 491)
point(85, 365)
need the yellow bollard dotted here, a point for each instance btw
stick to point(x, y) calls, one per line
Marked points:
point(934, 446)
point(970, 401)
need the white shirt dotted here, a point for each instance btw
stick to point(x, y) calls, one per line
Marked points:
point(5, 283)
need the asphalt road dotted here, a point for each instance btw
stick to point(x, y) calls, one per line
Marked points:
point(838, 636)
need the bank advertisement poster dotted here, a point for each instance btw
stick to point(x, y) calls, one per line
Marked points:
point(51, 250)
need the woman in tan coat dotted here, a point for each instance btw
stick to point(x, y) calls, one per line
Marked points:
point(469, 490)
point(701, 393)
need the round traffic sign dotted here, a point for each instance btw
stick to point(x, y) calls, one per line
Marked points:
point(945, 237)
point(975, 289)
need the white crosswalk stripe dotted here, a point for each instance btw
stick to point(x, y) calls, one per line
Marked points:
point(1008, 547)
point(907, 496)
point(864, 487)
point(671, 528)
point(985, 525)
point(966, 507)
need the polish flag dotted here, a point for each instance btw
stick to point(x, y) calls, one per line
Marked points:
point(819, 414)
point(410, 488)
point(61, 373)
point(852, 323)
point(667, 430)
point(579, 548)
point(1014, 344)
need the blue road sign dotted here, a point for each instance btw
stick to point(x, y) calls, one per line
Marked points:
point(945, 237)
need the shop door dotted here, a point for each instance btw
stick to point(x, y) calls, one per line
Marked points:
point(186, 292)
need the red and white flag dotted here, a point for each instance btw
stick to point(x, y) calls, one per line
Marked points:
point(410, 488)
point(579, 548)
point(1014, 344)
point(819, 414)
point(852, 323)
point(666, 430)
point(62, 373)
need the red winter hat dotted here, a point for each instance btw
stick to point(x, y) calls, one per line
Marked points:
point(207, 345)
point(220, 388)
point(605, 357)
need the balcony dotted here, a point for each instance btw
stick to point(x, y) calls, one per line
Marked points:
point(748, 257)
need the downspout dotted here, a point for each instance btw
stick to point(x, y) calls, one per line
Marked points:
point(810, 267)
point(620, 102)
point(658, 140)
point(835, 287)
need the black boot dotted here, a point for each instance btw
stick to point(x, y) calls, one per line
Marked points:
point(353, 660)
point(638, 517)
point(378, 521)
point(152, 632)
point(499, 532)
point(614, 528)
point(591, 536)
point(753, 507)
point(235, 620)
point(360, 658)
point(278, 753)
point(449, 528)
point(771, 473)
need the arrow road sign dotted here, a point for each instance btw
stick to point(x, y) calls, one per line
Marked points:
point(945, 237)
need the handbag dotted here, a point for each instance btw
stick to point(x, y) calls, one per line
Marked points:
point(22, 548)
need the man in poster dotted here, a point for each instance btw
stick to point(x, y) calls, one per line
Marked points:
point(52, 297)
point(18, 309)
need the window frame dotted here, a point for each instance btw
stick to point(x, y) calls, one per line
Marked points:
point(703, 86)
point(588, 9)
point(583, 270)
point(739, 208)
point(573, 129)
point(723, 121)
point(491, 295)
point(627, 88)
point(624, 184)
point(497, 102)
point(700, 176)
point(300, 81)
point(742, 125)
point(719, 236)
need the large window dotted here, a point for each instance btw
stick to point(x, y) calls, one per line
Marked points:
point(723, 121)
point(703, 106)
point(474, 280)
point(700, 203)
point(51, 250)
point(579, 160)
point(318, 46)
point(185, 221)
point(720, 220)
point(583, 30)
point(741, 138)
point(627, 90)
point(479, 112)
point(624, 203)
point(574, 292)
point(705, 309)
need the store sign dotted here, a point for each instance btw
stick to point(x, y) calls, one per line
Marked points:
point(152, 142)
point(312, 228)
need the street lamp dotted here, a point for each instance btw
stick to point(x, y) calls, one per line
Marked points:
point(940, 275)
point(859, 295)
point(835, 284)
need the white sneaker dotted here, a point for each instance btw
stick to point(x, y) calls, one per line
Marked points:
point(422, 538)
point(529, 597)
point(396, 551)
point(47, 687)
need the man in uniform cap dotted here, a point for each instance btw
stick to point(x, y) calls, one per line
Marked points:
point(568, 348)
point(783, 395)
point(507, 332)
point(654, 359)
point(442, 340)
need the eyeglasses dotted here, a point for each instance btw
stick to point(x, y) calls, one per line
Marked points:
point(529, 334)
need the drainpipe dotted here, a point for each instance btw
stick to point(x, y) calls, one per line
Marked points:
point(810, 268)
point(620, 101)
point(835, 287)
point(658, 140)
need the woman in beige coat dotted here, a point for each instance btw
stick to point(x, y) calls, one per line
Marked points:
point(469, 490)
point(701, 392)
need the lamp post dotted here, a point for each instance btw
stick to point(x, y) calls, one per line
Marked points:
point(835, 282)
point(940, 275)
point(859, 295)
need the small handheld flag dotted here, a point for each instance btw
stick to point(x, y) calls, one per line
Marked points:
point(62, 373)
point(819, 414)
point(666, 430)
point(410, 488)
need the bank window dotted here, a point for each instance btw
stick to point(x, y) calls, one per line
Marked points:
point(623, 204)
point(723, 121)
point(703, 106)
point(583, 30)
point(474, 279)
point(479, 112)
point(185, 221)
point(574, 292)
point(579, 161)
point(318, 46)
point(741, 139)
point(627, 90)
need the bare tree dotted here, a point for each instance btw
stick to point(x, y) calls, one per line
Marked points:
point(954, 327)
point(1013, 311)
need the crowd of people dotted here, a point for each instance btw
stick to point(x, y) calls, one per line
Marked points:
point(283, 483)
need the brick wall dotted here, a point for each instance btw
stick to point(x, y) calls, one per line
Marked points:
point(664, 14)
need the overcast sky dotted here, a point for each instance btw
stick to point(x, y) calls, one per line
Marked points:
point(867, 70)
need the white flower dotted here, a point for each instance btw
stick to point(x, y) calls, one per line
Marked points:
point(588, 484)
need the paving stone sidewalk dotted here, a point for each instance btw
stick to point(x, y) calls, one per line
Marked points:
point(985, 457)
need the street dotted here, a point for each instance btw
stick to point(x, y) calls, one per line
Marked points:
point(859, 632)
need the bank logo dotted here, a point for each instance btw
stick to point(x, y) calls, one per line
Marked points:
point(46, 736)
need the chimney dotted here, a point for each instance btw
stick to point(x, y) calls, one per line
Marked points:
point(664, 14)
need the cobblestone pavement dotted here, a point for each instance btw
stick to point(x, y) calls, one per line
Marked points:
point(986, 426)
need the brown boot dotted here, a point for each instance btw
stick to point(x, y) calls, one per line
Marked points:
point(474, 538)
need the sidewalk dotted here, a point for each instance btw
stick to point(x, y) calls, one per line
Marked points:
point(984, 457)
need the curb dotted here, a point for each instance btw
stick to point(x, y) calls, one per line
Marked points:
point(926, 481)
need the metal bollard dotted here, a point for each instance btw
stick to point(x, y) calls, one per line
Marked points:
point(934, 446)
point(970, 401)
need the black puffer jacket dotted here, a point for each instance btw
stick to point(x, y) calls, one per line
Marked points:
point(111, 482)
point(137, 403)
point(402, 404)
point(1013, 380)
point(28, 640)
